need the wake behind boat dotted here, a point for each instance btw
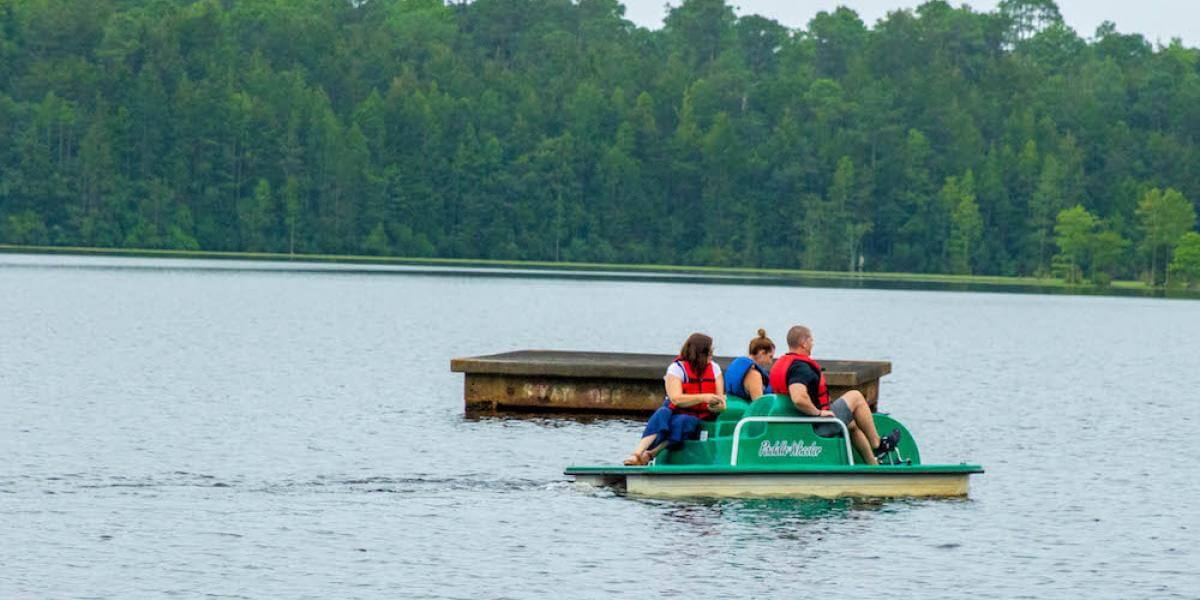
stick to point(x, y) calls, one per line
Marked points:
point(768, 449)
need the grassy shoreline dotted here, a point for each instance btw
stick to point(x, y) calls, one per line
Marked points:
point(923, 280)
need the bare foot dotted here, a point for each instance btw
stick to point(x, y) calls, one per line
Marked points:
point(637, 459)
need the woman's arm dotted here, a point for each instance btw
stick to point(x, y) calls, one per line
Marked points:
point(753, 382)
point(718, 403)
point(678, 398)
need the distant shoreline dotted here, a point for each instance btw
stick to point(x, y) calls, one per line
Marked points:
point(753, 276)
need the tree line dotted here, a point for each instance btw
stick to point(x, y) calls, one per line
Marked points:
point(937, 140)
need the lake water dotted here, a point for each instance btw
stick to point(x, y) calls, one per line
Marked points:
point(230, 431)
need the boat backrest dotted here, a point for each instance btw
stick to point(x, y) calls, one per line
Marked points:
point(776, 443)
point(786, 443)
point(769, 405)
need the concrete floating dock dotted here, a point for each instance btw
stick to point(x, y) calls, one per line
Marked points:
point(544, 381)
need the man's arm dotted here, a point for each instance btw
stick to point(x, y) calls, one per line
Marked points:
point(804, 404)
point(799, 376)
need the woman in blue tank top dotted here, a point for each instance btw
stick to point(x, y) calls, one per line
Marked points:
point(747, 376)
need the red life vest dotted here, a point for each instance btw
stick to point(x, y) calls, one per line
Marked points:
point(706, 384)
point(779, 377)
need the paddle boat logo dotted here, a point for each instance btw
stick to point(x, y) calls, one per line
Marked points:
point(784, 448)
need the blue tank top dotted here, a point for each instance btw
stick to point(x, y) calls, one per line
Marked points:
point(736, 373)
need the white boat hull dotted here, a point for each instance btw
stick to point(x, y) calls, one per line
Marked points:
point(787, 485)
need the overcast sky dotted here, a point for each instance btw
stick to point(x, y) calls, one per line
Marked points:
point(1158, 20)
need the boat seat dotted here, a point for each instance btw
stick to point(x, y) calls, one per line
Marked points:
point(727, 420)
point(735, 409)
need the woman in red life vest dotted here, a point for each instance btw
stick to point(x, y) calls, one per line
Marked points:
point(694, 393)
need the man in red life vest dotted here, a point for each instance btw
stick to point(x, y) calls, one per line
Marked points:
point(804, 381)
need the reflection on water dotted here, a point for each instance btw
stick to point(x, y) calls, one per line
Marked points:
point(296, 434)
point(779, 516)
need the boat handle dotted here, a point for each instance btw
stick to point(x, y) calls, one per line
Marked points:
point(737, 432)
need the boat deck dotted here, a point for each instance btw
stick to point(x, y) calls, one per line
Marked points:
point(669, 470)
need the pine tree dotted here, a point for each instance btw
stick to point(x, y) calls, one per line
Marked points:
point(966, 228)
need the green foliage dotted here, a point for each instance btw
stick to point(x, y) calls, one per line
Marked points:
point(1047, 200)
point(940, 140)
point(1084, 240)
point(254, 217)
point(1108, 247)
point(1026, 18)
point(966, 224)
point(377, 241)
point(1165, 216)
point(1074, 233)
point(1185, 266)
point(25, 227)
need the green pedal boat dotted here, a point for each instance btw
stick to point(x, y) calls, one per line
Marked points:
point(768, 450)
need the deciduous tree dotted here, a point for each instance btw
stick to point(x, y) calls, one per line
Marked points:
point(1164, 217)
point(1185, 264)
point(1074, 234)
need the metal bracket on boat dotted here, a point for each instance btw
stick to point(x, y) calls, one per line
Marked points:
point(737, 431)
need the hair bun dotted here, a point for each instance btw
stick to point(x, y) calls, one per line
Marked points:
point(762, 333)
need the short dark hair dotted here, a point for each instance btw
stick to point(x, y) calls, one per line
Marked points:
point(797, 335)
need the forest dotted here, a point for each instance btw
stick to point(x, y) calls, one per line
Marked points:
point(936, 140)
